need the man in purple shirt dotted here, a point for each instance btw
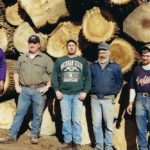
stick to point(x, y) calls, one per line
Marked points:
point(2, 70)
point(140, 88)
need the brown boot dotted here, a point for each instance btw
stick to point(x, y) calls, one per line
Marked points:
point(77, 146)
point(8, 140)
point(34, 140)
point(65, 146)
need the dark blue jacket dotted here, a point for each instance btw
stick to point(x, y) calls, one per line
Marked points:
point(107, 81)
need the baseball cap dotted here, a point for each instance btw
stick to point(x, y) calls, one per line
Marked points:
point(33, 39)
point(103, 46)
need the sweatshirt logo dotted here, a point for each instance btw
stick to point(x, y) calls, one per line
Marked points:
point(143, 81)
point(71, 70)
point(73, 64)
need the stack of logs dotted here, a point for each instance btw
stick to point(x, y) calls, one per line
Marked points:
point(124, 24)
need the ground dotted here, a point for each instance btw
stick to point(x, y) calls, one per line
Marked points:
point(23, 143)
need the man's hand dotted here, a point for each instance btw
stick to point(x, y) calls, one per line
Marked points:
point(43, 90)
point(82, 96)
point(129, 108)
point(18, 88)
point(1, 86)
point(59, 95)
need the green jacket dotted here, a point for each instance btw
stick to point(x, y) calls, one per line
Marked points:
point(71, 75)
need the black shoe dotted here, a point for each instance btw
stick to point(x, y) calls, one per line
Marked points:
point(65, 146)
point(76, 146)
point(8, 140)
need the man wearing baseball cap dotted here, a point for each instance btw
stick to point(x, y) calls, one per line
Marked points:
point(32, 74)
point(140, 94)
point(107, 81)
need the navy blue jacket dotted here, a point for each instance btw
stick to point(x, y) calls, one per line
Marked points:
point(107, 81)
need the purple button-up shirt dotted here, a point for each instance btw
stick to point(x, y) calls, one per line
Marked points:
point(2, 66)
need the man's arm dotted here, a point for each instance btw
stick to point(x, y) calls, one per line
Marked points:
point(2, 66)
point(119, 79)
point(131, 101)
point(17, 76)
point(87, 78)
point(132, 94)
point(55, 82)
point(87, 81)
point(17, 84)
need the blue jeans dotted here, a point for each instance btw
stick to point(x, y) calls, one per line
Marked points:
point(26, 97)
point(142, 117)
point(71, 110)
point(103, 109)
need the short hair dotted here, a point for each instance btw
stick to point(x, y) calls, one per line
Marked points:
point(146, 48)
point(71, 40)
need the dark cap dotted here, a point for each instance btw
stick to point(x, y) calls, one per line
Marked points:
point(103, 46)
point(71, 40)
point(33, 39)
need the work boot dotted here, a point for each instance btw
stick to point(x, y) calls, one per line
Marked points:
point(76, 146)
point(34, 140)
point(8, 140)
point(65, 146)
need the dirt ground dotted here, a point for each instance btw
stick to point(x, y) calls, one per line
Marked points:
point(23, 143)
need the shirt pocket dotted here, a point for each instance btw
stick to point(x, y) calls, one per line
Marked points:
point(39, 68)
point(24, 65)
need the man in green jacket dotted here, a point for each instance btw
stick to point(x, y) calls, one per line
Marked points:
point(71, 81)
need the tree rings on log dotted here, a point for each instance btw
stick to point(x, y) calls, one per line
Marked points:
point(13, 16)
point(22, 34)
point(43, 11)
point(123, 53)
point(56, 46)
point(137, 24)
point(119, 2)
point(96, 28)
point(4, 40)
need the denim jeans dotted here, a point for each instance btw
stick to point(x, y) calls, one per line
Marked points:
point(103, 109)
point(142, 117)
point(26, 97)
point(71, 110)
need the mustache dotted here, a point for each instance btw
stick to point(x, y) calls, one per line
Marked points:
point(102, 57)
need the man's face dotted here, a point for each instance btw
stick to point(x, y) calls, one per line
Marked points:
point(146, 58)
point(103, 56)
point(33, 47)
point(71, 48)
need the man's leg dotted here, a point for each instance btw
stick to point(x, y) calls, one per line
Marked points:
point(148, 124)
point(108, 114)
point(22, 107)
point(76, 118)
point(141, 120)
point(97, 122)
point(38, 103)
point(65, 105)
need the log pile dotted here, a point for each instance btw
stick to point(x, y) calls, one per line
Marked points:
point(124, 24)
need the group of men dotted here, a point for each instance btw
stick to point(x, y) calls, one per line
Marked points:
point(72, 78)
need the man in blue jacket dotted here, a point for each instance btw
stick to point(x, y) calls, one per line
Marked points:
point(107, 81)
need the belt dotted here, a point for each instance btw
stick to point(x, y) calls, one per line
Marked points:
point(104, 97)
point(144, 94)
point(35, 86)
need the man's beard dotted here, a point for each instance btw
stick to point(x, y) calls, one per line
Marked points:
point(103, 60)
